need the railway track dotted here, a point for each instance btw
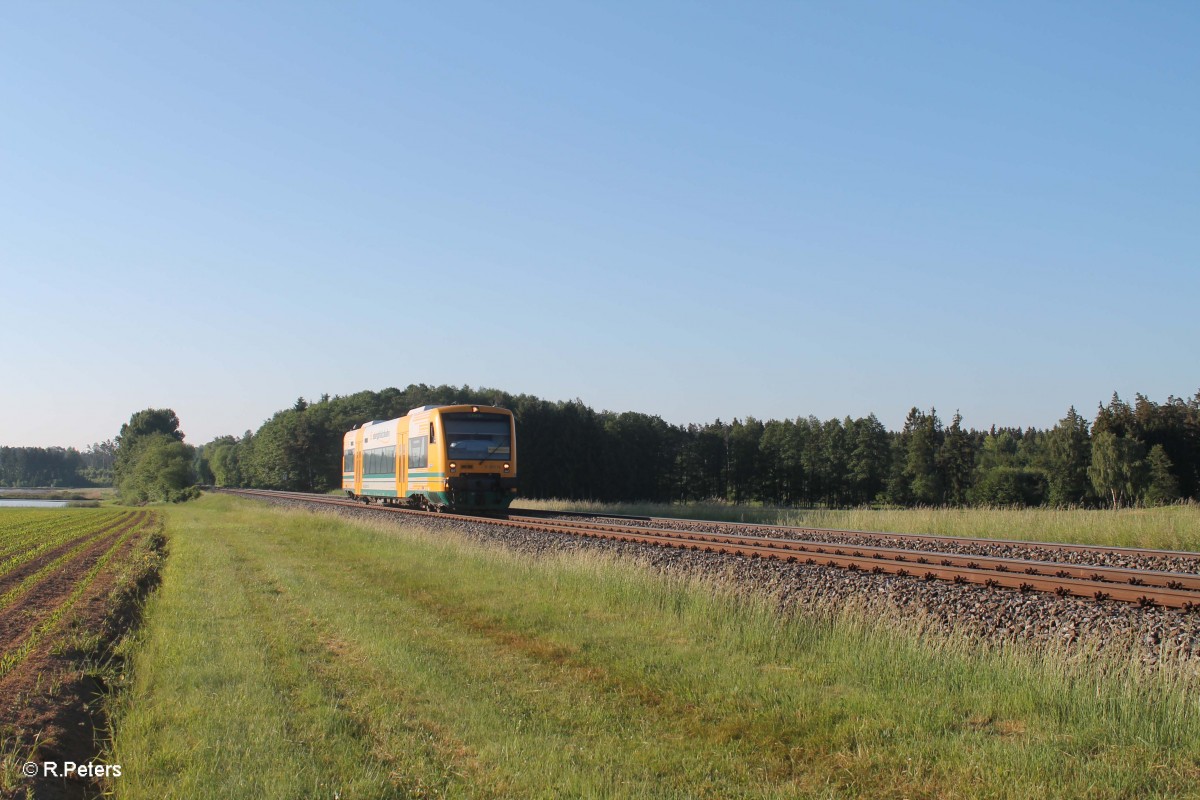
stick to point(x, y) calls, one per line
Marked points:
point(1144, 587)
point(1065, 547)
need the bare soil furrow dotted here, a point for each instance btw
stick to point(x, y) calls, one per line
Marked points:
point(47, 702)
point(15, 576)
point(18, 619)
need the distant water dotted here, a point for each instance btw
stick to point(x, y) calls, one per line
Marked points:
point(32, 503)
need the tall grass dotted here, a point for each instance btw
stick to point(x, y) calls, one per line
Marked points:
point(1174, 527)
point(296, 655)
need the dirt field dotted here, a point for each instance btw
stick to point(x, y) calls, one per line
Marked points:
point(68, 581)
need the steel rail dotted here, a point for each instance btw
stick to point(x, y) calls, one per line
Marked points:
point(921, 537)
point(1032, 567)
point(1183, 593)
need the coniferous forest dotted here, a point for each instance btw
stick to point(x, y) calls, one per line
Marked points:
point(58, 466)
point(1143, 452)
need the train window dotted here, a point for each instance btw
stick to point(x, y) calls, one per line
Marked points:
point(381, 461)
point(418, 452)
point(348, 462)
point(470, 437)
point(432, 437)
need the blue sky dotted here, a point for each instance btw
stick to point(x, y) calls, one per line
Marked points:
point(692, 210)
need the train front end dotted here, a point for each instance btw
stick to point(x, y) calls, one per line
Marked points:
point(480, 451)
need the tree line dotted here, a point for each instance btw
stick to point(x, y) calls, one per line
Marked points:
point(148, 461)
point(1140, 453)
point(59, 467)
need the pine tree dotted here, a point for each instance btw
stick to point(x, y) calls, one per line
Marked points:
point(956, 462)
point(868, 460)
point(1068, 453)
point(920, 463)
point(1161, 486)
point(1117, 418)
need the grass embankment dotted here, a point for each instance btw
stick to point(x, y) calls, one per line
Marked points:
point(292, 655)
point(1170, 527)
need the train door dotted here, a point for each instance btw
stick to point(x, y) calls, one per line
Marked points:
point(437, 460)
point(399, 466)
point(402, 459)
point(358, 462)
point(416, 452)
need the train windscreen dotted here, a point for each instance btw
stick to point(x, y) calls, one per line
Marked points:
point(475, 437)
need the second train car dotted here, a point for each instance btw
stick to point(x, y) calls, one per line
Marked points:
point(438, 457)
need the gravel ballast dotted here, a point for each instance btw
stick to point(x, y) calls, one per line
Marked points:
point(1029, 551)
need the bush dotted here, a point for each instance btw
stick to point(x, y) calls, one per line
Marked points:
point(158, 469)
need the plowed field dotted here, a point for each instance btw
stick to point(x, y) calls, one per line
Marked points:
point(67, 578)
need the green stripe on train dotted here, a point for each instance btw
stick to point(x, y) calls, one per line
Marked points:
point(411, 475)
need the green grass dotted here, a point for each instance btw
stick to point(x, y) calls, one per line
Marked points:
point(1170, 527)
point(293, 655)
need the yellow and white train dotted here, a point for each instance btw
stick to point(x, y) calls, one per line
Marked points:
point(460, 456)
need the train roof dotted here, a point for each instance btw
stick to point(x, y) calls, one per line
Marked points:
point(421, 409)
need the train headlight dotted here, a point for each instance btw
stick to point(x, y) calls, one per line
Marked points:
point(453, 465)
point(506, 467)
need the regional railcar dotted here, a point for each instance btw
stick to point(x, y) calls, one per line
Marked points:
point(438, 457)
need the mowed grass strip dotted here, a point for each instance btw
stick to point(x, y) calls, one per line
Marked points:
point(1174, 527)
point(572, 718)
point(295, 655)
